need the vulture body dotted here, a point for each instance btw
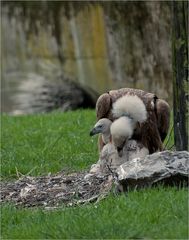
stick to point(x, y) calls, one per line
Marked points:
point(152, 132)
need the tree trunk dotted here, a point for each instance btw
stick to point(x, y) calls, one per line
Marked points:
point(180, 73)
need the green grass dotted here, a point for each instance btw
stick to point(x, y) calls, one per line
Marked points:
point(52, 142)
point(47, 143)
point(156, 213)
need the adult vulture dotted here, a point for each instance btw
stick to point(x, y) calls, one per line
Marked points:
point(150, 133)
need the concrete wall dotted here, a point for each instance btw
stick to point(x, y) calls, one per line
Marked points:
point(102, 45)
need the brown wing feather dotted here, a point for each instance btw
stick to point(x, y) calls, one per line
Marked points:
point(150, 136)
point(163, 117)
point(103, 106)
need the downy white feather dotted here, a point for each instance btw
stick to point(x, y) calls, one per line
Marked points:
point(131, 106)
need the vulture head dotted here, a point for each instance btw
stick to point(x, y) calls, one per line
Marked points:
point(103, 127)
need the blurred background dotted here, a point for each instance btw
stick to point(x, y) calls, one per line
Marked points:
point(64, 54)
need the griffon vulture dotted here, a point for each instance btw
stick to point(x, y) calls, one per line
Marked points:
point(152, 132)
point(128, 111)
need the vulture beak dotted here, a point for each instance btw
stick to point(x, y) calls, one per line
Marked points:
point(93, 132)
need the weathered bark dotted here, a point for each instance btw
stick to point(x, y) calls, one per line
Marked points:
point(180, 73)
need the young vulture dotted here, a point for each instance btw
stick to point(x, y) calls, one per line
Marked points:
point(128, 111)
point(150, 133)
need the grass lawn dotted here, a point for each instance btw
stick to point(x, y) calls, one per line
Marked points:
point(45, 143)
point(40, 144)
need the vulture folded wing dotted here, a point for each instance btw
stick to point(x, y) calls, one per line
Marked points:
point(163, 117)
point(103, 106)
